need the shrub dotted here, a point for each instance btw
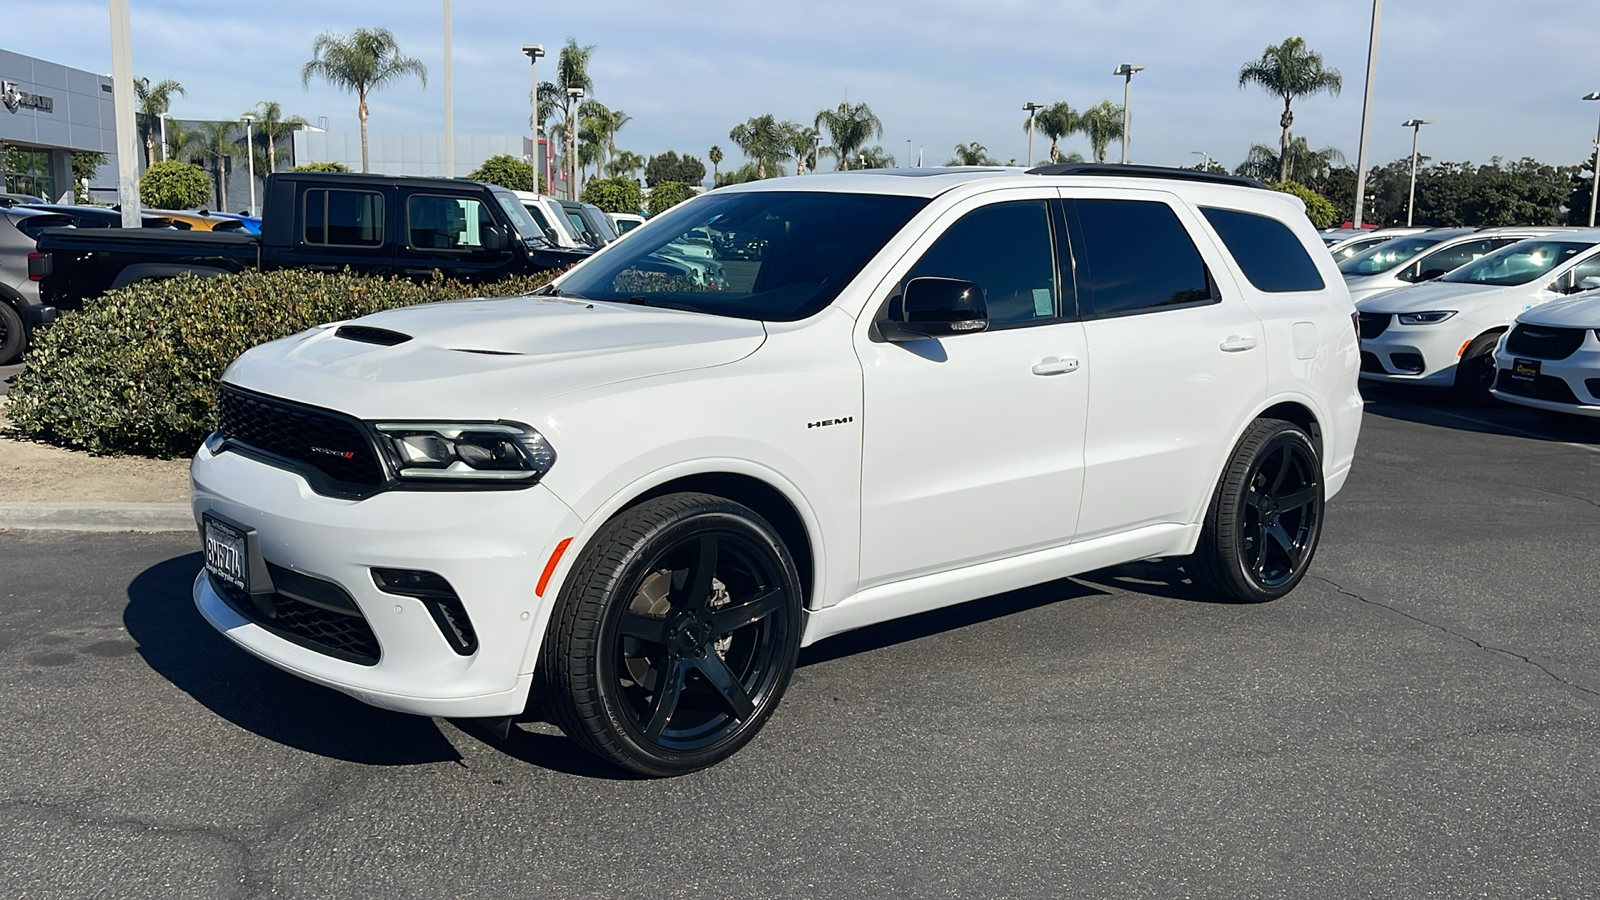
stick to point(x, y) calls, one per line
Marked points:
point(614, 195)
point(136, 370)
point(322, 167)
point(505, 170)
point(668, 194)
point(1318, 209)
point(170, 184)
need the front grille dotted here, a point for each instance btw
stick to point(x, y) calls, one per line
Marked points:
point(1545, 387)
point(342, 634)
point(1374, 324)
point(336, 445)
point(1371, 363)
point(1540, 342)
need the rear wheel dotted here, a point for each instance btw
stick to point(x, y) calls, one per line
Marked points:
point(1475, 372)
point(1265, 518)
point(13, 335)
point(676, 635)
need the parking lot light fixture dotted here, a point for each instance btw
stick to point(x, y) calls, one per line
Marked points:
point(574, 94)
point(250, 157)
point(534, 51)
point(1594, 188)
point(1205, 159)
point(1416, 127)
point(1126, 70)
point(1032, 109)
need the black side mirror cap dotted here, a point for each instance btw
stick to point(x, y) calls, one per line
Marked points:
point(494, 238)
point(936, 308)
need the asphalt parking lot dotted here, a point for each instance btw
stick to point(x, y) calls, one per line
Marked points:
point(1419, 719)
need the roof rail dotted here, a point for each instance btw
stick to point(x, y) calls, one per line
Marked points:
point(1130, 171)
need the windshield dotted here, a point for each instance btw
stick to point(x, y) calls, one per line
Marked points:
point(1517, 264)
point(602, 224)
point(1357, 246)
point(1387, 255)
point(526, 226)
point(770, 255)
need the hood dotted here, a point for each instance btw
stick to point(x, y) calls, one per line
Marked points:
point(479, 359)
point(1578, 311)
point(1427, 296)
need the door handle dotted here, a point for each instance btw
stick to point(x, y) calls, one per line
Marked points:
point(1054, 365)
point(1236, 343)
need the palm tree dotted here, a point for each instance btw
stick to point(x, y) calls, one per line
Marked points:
point(1303, 164)
point(1290, 70)
point(572, 71)
point(971, 154)
point(1055, 122)
point(1101, 124)
point(271, 124)
point(803, 144)
point(153, 104)
point(217, 144)
point(362, 63)
point(625, 162)
point(874, 157)
point(716, 159)
point(849, 127)
point(183, 143)
point(764, 139)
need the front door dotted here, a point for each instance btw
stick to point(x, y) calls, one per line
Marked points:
point(973, 445)
point(446, 232)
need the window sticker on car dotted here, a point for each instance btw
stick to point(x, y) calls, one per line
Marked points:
point(1042, 303)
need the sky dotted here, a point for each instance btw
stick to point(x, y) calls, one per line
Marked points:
point(1496, 78)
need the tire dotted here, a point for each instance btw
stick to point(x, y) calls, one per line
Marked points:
point(13, 335)
point(1261, 530)
point(675, 637)
point(1475, 372)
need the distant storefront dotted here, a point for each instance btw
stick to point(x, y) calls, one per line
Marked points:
point(47, 113)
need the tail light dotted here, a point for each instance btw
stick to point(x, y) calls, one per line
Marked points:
point(39, 265)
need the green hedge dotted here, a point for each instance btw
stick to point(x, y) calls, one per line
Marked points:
point(136, 371)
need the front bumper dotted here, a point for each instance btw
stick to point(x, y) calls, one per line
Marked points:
point(491, 546)
point(1417, 354)
point(1570, 385)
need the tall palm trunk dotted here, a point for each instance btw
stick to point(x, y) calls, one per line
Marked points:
point(222, 184)
point(149, 148)
point(362, 110)
point(1284, 121)
point(272, 155)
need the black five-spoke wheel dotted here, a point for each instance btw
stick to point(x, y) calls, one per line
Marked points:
point(1265, 517)
point(675, 636)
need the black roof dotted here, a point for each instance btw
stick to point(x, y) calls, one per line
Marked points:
point(353, 178)
point(1118, 170)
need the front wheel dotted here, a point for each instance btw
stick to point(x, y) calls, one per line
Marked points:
point(13, 334)
point(675, 636)
point(1265, 518)
point(1475, 372)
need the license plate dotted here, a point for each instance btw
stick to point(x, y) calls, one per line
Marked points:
point(1525, 370)
point(225, 556)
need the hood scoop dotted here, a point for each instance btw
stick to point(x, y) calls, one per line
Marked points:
point(489, 352)
point(367, 334)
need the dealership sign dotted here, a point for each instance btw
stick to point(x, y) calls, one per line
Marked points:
point(15, 99)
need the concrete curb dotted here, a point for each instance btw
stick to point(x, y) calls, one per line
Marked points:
point(97, 516)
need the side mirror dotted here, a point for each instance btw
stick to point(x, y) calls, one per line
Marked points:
point(936, 308)
point(494, 238)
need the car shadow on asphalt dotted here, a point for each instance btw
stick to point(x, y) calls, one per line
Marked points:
point(1164, 577)
point(1422, 406)
point(184, 649)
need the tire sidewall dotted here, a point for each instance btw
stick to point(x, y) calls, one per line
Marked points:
point(1256, 591)
point(14, 339)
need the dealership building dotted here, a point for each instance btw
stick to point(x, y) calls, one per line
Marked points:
point(48, 112)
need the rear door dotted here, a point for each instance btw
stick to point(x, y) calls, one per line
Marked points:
point(337, 228)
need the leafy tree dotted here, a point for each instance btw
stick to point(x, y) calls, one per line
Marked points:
point(174, 185)
point(1055, 122)
point(670, 167)
point(1303, 164)
point(614, 195)
point(572, 71)
point(505, 170)
point(1101, 124)
point(1290, 70)
point(972, 154)
point(153, 101)
point(765, 140)
point(1318, 209)
point(716, 159)
point(745, 173)
point(668, 194)
point(321, 167)
point(849, 128)
point(272, 124)
point(84, 165)
point(1578, 200)
point(362, 63)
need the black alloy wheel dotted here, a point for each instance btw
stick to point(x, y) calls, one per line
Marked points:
point(676, 635)
point(1475, 372)
point(1265, 519)
point(13, 334)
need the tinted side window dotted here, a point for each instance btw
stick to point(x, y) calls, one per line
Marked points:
point(1435, 264)
point(446, 223)
point(1134, 256)
point(1266, 250)
point(1007, 250)
point(349, 218)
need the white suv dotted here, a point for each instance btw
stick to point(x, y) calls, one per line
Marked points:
point(1550, 359)
point(636, 495)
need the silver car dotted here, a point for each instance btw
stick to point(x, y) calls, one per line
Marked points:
point(20, 308)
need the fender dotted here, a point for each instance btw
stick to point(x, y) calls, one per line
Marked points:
point(155, 271)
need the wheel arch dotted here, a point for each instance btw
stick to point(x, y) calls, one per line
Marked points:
point(158, 271)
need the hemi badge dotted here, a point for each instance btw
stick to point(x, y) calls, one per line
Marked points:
point(826, 422)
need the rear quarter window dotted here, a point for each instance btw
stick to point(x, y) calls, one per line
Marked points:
point(1268, 253)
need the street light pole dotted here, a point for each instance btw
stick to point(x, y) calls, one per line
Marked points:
point(1032, 109)
point(1594, 189)
point(1366, 113)
point(250, 158)
point(575, 96)
point(1126, 70)
point(1416, 127)
point(122, 104)
point(449, 106)
point(534, 51)
point(1205, 159)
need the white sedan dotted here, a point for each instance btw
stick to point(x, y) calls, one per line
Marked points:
point(1550, 359)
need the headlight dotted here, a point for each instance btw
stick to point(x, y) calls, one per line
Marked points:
point(1426, 318)
point(467, 451)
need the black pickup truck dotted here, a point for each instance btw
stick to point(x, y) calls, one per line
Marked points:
point(318, 220)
